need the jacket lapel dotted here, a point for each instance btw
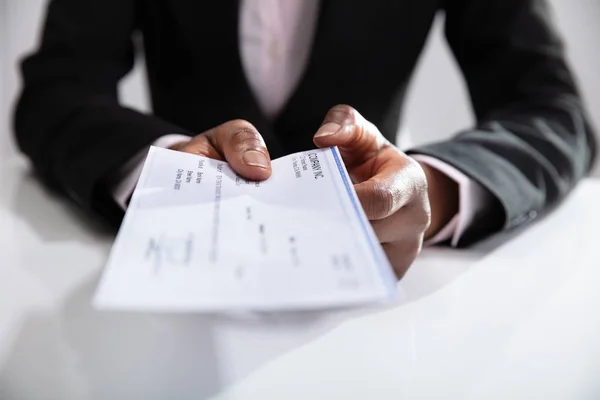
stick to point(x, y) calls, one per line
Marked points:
point(297, 120)
point(212, 29)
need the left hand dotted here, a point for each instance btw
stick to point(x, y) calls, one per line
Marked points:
point(391, 186)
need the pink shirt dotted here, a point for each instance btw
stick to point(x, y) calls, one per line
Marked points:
point(275, 42)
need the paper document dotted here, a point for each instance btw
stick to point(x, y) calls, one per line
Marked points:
point(198, 237)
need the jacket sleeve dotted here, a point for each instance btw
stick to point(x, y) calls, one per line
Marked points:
point(532, 142)
point(68, 120)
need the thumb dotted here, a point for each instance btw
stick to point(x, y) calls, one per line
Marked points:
point(357, 138)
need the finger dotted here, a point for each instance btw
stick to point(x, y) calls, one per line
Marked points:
point(243, 148)
point(199, 145)
point(410, 220)
point(395, 182)
point(402, 254)
point(357, 138)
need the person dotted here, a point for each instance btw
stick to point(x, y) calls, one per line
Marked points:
point(248, 81)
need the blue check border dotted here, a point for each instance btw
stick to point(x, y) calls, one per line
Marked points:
point(382, 263)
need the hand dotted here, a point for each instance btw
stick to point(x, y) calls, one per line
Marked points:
point(237, 142)
point(443, 198)
point(391, 186)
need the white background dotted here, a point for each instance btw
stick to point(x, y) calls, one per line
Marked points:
point(437, 89)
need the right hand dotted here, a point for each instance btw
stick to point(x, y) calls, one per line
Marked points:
point(237, 142)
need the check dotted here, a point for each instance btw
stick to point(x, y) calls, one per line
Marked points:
point(198, 237)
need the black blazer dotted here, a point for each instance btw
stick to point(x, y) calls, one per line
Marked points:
point(532, 142)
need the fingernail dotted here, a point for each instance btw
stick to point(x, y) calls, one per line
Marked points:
point(328, 129)
point(255, 158)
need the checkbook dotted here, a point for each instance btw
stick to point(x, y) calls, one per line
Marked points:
point(198, 237)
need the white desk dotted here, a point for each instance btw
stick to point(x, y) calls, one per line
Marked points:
point(511, 319)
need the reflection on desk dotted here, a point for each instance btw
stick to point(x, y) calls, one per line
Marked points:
point(515, 317)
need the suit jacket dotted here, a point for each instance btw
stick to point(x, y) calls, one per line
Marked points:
point(530, 146)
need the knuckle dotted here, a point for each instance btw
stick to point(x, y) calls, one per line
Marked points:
point(238, 135)
point(423, 218)
point(343, 114)
point(230, 128)
point(241, 129)
point(381, 202)
point(422, 215)
point(418, 172)
point(246, 138)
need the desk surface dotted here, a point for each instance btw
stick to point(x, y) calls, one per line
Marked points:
point(515, 317)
